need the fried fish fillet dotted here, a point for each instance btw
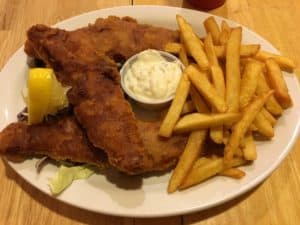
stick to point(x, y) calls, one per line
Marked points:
point(113, 37)
point(60, 139)
point(164, 152)
point(85, 59)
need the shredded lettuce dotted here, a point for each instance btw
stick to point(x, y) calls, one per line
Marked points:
point(66, 175)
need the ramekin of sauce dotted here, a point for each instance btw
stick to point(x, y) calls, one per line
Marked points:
point(151, 77)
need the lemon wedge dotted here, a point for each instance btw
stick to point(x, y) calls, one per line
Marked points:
point(45, 94)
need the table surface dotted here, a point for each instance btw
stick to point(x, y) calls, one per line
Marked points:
point(276, 201)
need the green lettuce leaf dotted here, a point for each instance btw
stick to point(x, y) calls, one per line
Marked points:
point(66, 175)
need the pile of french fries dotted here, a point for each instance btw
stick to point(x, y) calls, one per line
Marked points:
point(229, 93)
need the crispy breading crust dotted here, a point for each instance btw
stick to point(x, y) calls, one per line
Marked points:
point(85, 59)
point(60, 139)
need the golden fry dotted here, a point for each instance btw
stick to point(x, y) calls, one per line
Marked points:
point(248, 50)
point(233, 173)
point(198, 101)
point(249, 149)
point(272, 104)
point(188, 107)
point(225, 25)
point(249, 82)
point(241, 127)
point(216, 133)
point(226, 135)
point(225, 33)
point(210, 50)
point(203, 172)
point(175, 109)
point(182, 54)
point(173, 47)
point(212, 27)
point(218, 80)
point(252, 127)
point(264, 127)
point(197, 121)
point(284, 63)
point(269, 116)
point(233, 75)
point(183, 57)
point(203, 160)
point(245, 51)
point(203, 85)
point(239, 153)
point(229, 105)
point(192, 43)
point(187, 159)
point(208, 168)
point(276, 81)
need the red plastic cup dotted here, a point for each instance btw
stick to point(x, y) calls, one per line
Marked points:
point(207, 4)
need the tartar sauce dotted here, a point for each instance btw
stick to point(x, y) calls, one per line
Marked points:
point(151, 77)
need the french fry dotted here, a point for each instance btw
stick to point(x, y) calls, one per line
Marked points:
point(183, 57)
point(248, 50)
point(198, 101)
point(225, 26)
point(173, 47)
point(212, 27)
point(192, 43)
point(276, 81)
point(175, 109)
point(218, 80)
point(216, 71)
point(284, 63)
point(230, 113)
point(187, 159)
point(182, 54)
point(245, 51)
point(225, 33)
point(272, 104)
point(233, 173)
point(203, 160)
point(249, 149)
point(269, 116)
point(226, 135)
point(249, 82)
point(208, 168)
point(216, 133)
point(203, 85)
point(195, 121)
point(264, 127)
point(253, 127)
point(239, 153)
point(210, 50)
point(241, 127)
point(242, 143)
point(188, 107)
point(233, 75)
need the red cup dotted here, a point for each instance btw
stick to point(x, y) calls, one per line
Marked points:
point(207, 4)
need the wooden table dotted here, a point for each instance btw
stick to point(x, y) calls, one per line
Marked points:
point(276, 201)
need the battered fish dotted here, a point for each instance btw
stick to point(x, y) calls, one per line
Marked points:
point(60, 138)
point(86, 59)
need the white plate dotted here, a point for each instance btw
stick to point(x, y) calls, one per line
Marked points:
point(100, 194)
